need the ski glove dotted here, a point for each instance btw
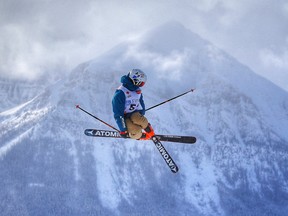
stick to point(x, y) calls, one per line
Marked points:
point(124, 134)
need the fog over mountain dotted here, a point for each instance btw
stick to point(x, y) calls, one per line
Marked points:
point(237, 167)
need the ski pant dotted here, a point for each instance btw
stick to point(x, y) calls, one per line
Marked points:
point(135, 124)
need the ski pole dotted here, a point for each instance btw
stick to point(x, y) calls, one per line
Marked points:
point(170, 99)
point(78, 107)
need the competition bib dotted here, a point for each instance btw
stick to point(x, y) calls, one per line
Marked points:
point(132, 102)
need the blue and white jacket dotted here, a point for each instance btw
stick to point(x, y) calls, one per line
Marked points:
point(127, 100)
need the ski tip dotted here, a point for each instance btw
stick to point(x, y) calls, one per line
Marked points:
point(174, 169)
point(77, 106)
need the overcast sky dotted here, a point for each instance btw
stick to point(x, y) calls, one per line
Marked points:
point(37, 36)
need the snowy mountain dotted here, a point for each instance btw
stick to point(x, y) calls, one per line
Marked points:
point(13, 93)
point(237, 167)
point(17, 91)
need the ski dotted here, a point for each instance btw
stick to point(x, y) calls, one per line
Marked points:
point(165, 155)
point(167, 138)
point(156, 139)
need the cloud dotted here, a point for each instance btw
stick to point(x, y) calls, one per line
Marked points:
point(275, 66)
point(46, 36)
point(40, 37)
point(275, 58)
point(285, 9)
point(248, 30)
point(19, 55)
point(170, 64)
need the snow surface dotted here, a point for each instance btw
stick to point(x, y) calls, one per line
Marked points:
point(237, 167)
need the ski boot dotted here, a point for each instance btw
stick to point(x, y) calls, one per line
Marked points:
point(148, 133)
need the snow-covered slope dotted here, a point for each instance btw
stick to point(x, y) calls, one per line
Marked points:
point(237, 167)
point(13, 93)
point(17, 91)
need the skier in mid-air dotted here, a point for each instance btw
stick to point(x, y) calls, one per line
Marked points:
point(129, 108)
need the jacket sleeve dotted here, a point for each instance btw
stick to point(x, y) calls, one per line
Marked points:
point(118, 105)
point(142, 104)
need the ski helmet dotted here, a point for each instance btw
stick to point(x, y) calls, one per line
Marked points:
point(138, 77)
